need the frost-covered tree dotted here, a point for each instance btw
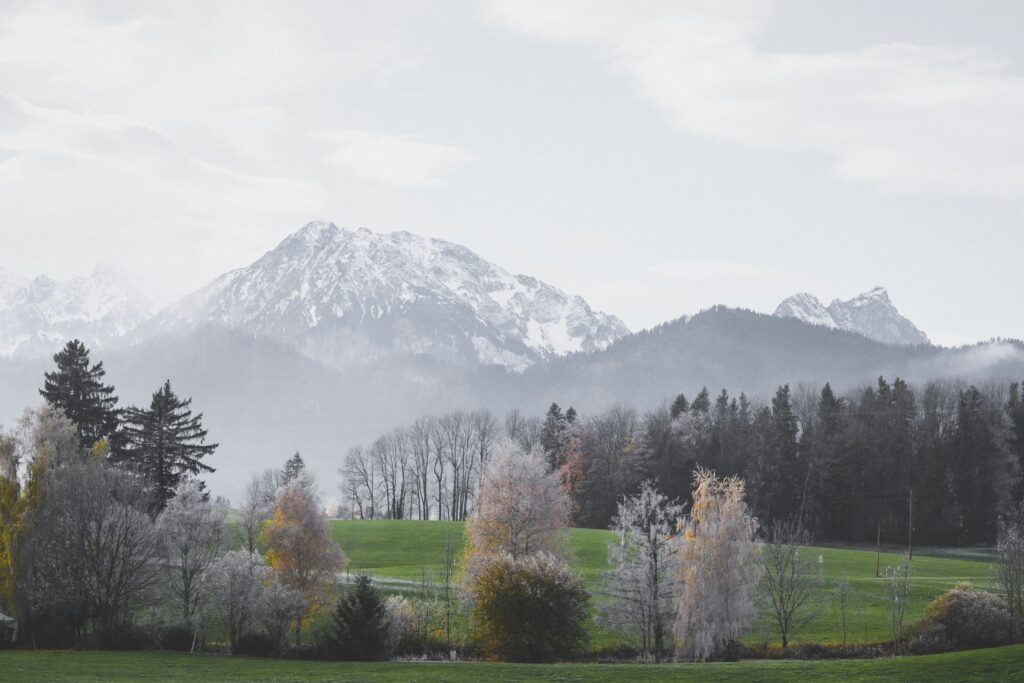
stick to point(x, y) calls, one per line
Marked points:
point(1010, 569)
point(790, 579)
point(299, 545)
point(897, 593)
point(279, 607)
point(519, 507)
point(192, 534)
point(640, 588)
point(718, 567)
point(237, 582)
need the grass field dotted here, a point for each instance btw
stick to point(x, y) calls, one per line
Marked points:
point(998, 664)
point(403, 549)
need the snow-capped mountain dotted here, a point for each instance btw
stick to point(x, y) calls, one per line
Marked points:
point(343, 296)
point(870, 314)
point(38, 316)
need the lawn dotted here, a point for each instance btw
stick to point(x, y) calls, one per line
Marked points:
point(997, 664)
point(404, 549)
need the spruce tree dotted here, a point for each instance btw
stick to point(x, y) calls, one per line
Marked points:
point(293, 467)
point(554, 436)
point(78, 389)
point(679, 406)
point(701, 404)
point(165, 443)
point(359, 624)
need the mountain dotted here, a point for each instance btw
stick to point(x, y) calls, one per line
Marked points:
point(38, 316)
point(742, 350)
point(871, 314)
point(348, 297)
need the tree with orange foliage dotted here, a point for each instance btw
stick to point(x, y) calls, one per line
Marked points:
point(719, 567)
point(300, 548)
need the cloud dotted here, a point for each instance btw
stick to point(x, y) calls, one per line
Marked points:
point(901, 117)
point(399, 160)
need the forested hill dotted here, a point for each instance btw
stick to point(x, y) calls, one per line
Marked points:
point(740, 349)
point(263, 400)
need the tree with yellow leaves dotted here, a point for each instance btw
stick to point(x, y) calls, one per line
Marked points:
point(718, 567)
point(300, 548)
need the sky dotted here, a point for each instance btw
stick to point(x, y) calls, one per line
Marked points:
point(654, 157)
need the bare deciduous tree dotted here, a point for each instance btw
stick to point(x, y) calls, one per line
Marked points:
point(790, 578)
point(94, 549)
point(897, 584)
point(1010, 569)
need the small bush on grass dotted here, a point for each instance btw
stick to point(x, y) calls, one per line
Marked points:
point(529, 610)
point(178, 638)
point(359, 625)
point(963, 619)
point(255, 645)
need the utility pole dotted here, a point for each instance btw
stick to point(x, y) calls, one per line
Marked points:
point(910, 525)
point(878, 551)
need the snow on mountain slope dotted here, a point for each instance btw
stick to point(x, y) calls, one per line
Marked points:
point(871, 314)
point(345, 296)
point(38, 316)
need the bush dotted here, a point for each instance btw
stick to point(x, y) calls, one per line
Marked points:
point(178, 638)
point(529, 610)
point(359, 625)
point(255, 645)
point(963, 619)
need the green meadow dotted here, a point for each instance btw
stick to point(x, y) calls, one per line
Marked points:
point(405, 549)
point(996, 664)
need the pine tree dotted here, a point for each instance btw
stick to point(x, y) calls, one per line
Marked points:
point(78, 389)
point(359, 624)
point(554, 437)
point(293, 467)
point(679, 406)
point(166, 443)
point(701, 404)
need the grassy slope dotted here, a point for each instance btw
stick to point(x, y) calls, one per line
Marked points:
point(999, 664)
point(402, 549)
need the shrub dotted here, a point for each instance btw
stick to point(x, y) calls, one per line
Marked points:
point(529, 610)
point(962, 619)
point(177, 638)
point(254, 645)
point(359, 624)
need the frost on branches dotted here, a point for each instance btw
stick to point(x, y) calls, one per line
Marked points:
point(640, 588)
point(520, 508)
point(718, 567)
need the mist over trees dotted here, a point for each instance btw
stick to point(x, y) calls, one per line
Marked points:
point(844, 465)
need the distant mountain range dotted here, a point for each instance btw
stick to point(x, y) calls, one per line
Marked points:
point(37, 316)
point(336, 335)
point(870, 314)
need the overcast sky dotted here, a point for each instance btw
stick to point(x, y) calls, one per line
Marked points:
point(655, 158)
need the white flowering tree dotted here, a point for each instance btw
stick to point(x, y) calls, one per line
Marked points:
point(718, 567)
point(639, 589)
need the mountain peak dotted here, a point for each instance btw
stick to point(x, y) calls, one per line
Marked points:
point(340, 296)
point(870, 313)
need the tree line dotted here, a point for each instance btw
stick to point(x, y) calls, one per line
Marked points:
point(938, 464)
